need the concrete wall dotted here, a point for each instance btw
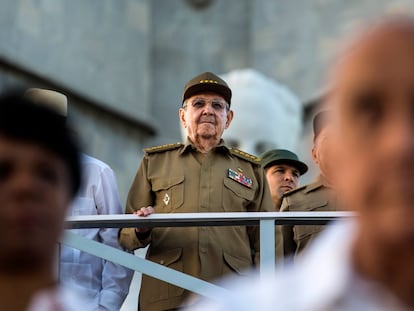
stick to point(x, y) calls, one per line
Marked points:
point(187, 41)
point(292, 41)
point(134, 56)
point(99, 49)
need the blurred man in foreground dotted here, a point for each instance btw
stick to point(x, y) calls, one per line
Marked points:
point(104, 283)
point(282, 169)
point(365, 263)
point(39, 176)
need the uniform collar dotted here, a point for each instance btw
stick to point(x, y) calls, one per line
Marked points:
point(318, 183)
point(189, 146)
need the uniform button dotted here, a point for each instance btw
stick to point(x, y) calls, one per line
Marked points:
point(162, 262)
point(203, 250)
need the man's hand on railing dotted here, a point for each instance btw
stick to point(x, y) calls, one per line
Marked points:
point(144, 212)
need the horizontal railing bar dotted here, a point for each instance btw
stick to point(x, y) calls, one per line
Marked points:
point(144, 266)
point(203, 219)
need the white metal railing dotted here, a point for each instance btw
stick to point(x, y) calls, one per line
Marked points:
point(266, 221)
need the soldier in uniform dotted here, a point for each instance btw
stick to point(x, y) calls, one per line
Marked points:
point(316, 196)
point(201, 175)
point(282, 169)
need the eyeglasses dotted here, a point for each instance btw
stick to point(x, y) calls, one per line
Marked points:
point(216, 103)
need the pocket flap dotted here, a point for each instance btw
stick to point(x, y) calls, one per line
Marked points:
point(239, 265)
point(320, 205)
point(239, 189)
point(166, 183)
point(167, 257)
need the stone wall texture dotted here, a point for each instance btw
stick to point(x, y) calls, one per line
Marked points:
point(134, 56)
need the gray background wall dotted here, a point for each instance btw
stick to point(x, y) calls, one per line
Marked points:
point(124, 63)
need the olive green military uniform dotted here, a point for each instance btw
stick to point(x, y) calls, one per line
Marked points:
point(312, 197)
point(178, 179)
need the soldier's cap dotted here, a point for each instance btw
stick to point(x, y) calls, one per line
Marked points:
point(207, 82)
point(282, 156)
point(51, 99)
point(320, 120)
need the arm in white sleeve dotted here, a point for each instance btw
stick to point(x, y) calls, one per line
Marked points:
point(115, 278)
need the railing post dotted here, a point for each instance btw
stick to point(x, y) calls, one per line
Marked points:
point(267, 247)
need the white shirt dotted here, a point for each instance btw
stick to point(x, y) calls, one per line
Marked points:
point(322, 278)
point(57, 299)
point(105, 283)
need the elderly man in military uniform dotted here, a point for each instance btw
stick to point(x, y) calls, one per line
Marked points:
point(317, 196)
point(282, 170)
point(201, 175)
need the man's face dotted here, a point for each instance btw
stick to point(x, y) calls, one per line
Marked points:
point(34, 195)
point(205, 117)
point(322, 153)
point(373, 96)
point(281, 178)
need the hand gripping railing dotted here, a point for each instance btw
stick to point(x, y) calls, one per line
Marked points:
point(266, 221)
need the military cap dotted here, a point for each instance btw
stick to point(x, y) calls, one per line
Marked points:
point(207, 82)
point(282, 156)
point(320, 120)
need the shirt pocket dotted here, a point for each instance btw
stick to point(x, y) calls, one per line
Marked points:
point(236, 196)
point(236, 265)
point(303, 233)
point(169, 193)
point(155, 290)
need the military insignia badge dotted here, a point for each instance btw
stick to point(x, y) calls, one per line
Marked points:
point(239, 177)
point(166, 199)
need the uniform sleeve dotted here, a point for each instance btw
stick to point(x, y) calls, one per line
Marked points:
point(115, 278)
point(140, 195)
point(263, 203)
point(286, 244)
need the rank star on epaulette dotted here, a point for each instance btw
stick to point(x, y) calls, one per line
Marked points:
point(240, 178)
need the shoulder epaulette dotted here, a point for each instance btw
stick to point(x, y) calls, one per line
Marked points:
point(162, 148)
point(288, 193)
point(245, 156)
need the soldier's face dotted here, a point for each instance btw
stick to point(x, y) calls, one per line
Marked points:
point(322, 153)
point(373, 97)
point(34, 195)
point(281, 178)
point(205, 116)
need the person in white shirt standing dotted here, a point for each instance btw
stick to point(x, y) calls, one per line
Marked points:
point(104, 283)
